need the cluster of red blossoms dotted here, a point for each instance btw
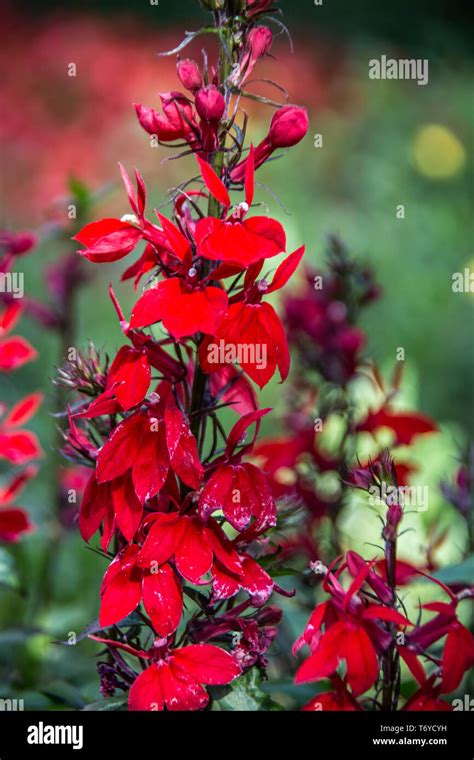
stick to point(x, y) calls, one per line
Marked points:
point(19, 447)
point(182, 514)
point(363, 626)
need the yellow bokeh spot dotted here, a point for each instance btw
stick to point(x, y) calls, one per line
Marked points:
point(437, 152)
point(285, 476)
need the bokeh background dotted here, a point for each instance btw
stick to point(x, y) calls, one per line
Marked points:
point(385, 143)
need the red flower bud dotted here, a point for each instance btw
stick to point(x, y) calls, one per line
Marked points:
point(259, 41)
point(210, 104)
point(258, 44)
point(289, 126)
point(189, 74)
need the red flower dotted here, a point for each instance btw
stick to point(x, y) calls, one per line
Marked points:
point(176, 681)
point(339, 700)
point(236, 239)
point(239, 488)
point(175, 676)
point(353, 633)
point(125, 584)
point(184, 307)
point(14, 351)
point(210, 105)
point(148, 443)
point(405, 425)
point(251, 323)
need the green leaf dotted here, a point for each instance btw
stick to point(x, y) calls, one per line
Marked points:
point(63, 693)
point(105, 705)
point(244, 695)
point(462, 573)
point(79, 191)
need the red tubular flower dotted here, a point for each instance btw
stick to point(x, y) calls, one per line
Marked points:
point(240, 489)
point(210, 105)
point(288, 127)
point(125, 585)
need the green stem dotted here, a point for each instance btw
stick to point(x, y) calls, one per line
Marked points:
point(214, 209)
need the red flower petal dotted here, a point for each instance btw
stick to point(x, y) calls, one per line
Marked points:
point(14, 353)
point(146, 692)
point(14, 524)
point(131, 371)
point(207, 664)
point(163, 599)
point(24, 410)
point(20, 447)
point(458, 656)
point(213, 183)
point(163, 539)
point(182, 448)
point(121, 592)
point(193, 555)
point(128, 509)
point(108, 240)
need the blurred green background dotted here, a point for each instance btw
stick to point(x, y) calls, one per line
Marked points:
point(385, 143)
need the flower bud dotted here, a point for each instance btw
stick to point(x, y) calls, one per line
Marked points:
point(394, 518)
point(289, 126)
point(210, 104)
point(258, 44)
point(259, 41)
point(189, 74)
